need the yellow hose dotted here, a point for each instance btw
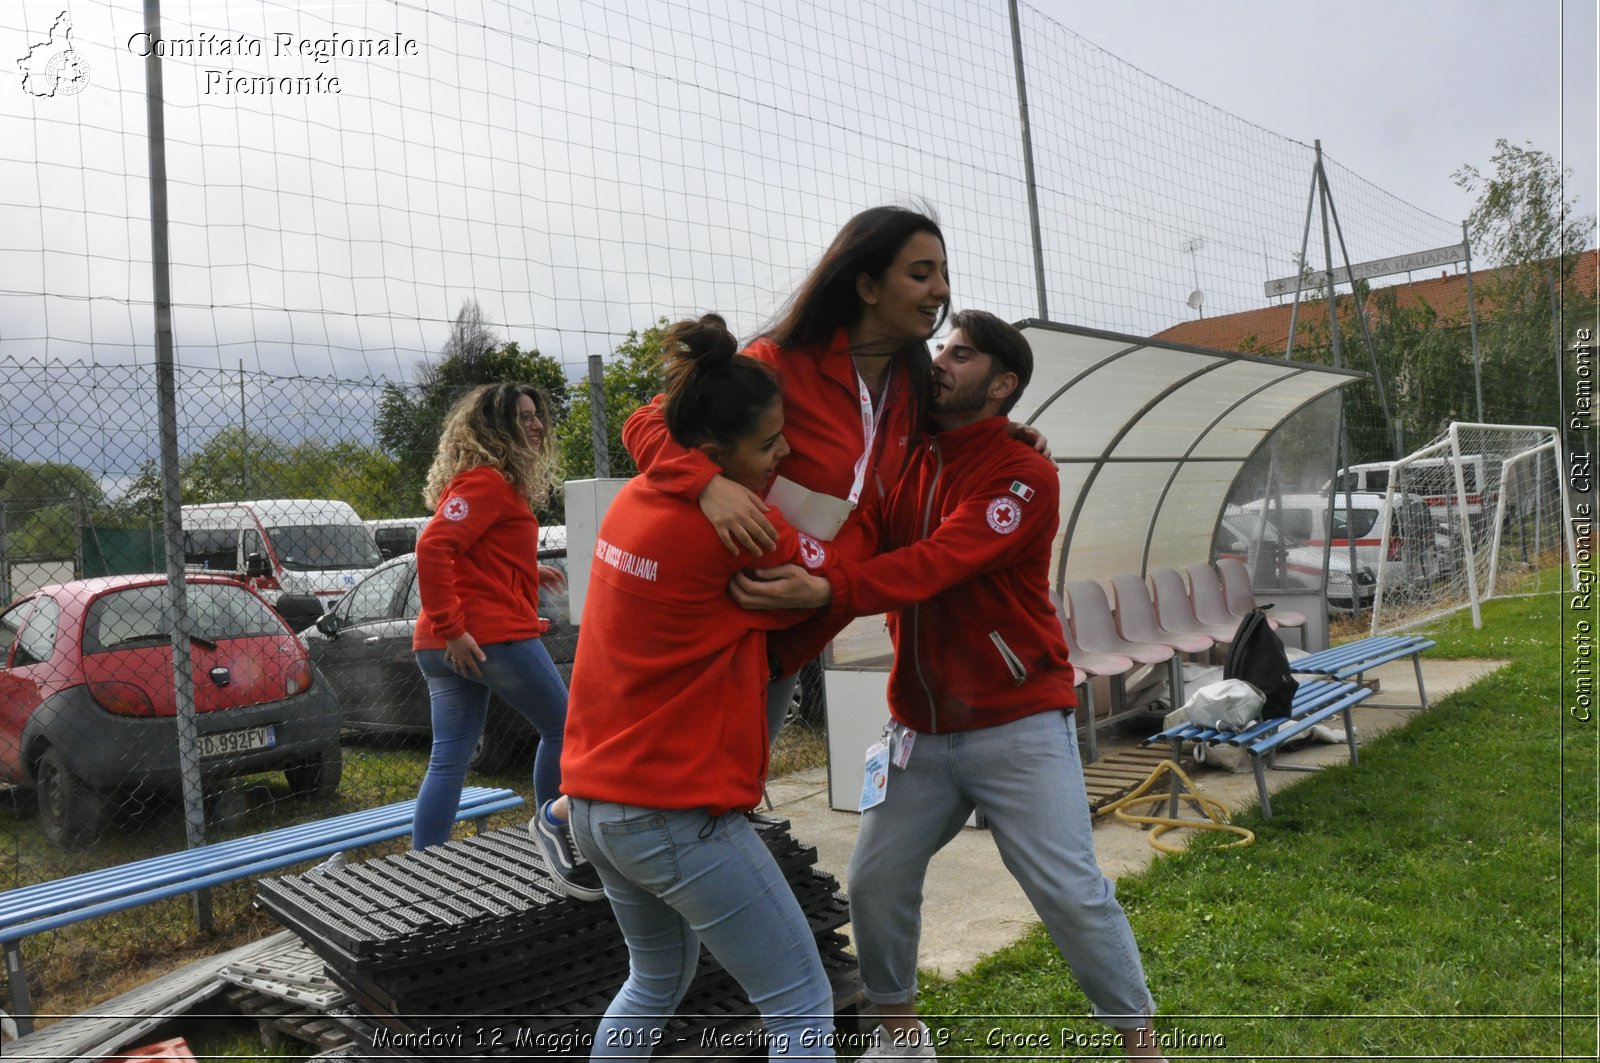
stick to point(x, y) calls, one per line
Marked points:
point(1216, 812)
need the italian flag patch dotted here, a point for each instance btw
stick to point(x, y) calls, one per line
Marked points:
point(1021, 490)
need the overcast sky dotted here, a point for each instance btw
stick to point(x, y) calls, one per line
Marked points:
point(1401, 91)
point(583, 168)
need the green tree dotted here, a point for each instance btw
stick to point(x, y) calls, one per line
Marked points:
point(630, 379)
point(44, 502)
point(1524, 226)
point(238, 463)
point(410, 416)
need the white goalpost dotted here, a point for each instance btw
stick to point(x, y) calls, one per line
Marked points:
point(1498, 524)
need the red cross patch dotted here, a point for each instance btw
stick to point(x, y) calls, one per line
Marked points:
point(455, 508)
point(1004, 515)
point(812, 553)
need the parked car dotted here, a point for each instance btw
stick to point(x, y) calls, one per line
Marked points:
point(294, 546)
point(87, 707)
point(1263, 547)
point(363, 646)
point(1417, 552)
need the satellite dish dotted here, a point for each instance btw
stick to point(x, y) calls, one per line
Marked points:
point(1197, 299)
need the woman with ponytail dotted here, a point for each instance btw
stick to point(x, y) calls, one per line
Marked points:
point(478, 632)
point(666, 743)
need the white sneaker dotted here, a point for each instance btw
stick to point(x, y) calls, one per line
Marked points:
point(887, 1046)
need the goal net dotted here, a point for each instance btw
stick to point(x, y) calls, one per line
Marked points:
point(1498, 524)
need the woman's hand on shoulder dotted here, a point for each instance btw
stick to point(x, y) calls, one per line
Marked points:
point(739, 515)
point(1030, 435)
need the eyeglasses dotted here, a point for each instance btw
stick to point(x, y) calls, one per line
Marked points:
point(529, 420)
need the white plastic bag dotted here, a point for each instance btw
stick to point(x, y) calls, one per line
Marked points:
point(1228, 705)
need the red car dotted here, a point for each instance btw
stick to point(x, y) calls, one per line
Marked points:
point(87, 706)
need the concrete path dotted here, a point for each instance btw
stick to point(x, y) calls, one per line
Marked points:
point(973, 907)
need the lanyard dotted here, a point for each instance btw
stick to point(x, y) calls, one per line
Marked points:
point(870, 420)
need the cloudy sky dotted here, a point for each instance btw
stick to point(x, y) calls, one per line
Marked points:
point(583, 168)
point(1402, 91)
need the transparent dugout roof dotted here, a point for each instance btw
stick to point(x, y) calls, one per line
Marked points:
point(1149, 438)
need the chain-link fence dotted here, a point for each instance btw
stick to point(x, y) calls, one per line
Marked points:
point(520, 188)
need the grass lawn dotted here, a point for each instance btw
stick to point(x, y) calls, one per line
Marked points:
point(1438, 900)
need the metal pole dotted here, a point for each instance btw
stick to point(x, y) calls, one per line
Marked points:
point(597, 417)
point(1027, 160)
point(244, 435)
point(1321, 184)
point(1472, 324)
point(1305, 242)
point(167, 417)
point(1366, 335)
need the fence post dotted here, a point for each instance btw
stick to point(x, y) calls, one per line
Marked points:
point(597, 417)
point(167, 417)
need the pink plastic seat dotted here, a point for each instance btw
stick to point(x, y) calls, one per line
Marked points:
point(1210, 603)
point(1137, 620)
point(1096, 631)
point(1241, 597)
point(1175, 611)
point(1087, 665)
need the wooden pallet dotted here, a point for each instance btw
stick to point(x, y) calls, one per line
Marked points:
point(1115, 774)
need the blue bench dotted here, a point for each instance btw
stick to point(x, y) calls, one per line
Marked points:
point(1315, 701)
point(1353, 659)
point(30, 910)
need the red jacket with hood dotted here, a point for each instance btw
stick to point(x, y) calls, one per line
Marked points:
point(667, 706)
point(821, 420)
point(477, 564)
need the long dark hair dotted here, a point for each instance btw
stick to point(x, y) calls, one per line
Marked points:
point(827, 301)
point(713, 393)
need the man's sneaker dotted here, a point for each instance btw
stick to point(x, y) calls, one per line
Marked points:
point(574, 875)
point(887, 1046)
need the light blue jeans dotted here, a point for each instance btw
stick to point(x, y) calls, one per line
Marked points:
point(675, 878)
point(1026, 779)
point(520, 674)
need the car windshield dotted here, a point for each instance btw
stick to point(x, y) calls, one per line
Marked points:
point(325, 546)
point(139, 615)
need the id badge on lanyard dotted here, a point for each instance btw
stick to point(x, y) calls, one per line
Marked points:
point(819, 515)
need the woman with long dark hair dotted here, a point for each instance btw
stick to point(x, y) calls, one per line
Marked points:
point(851, 348)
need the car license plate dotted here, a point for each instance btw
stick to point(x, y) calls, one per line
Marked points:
point(224, 743)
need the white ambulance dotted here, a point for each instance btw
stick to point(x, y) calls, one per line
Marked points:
point(283, 546)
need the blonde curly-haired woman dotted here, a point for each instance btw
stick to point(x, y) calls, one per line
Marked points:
point(478, 633)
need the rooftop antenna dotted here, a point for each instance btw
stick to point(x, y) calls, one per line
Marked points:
point(1192, 248)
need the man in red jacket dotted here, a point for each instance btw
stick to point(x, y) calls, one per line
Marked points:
point(981, 694)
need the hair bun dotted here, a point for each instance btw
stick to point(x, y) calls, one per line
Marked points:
point(703, 340)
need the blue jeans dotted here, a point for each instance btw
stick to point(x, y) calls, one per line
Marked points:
point(520, 674)
point(1026, 779)
point(675, 877)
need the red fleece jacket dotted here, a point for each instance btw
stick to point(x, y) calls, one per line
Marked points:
point(477, 564)
point(667, 705)
point(965, 578)
point(821, 420)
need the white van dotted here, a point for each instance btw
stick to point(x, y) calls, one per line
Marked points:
point(398, 535)
point(296, 546)
point(1434, 479)
point(1417, 552)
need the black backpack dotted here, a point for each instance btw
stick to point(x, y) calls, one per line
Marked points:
point(1257, 657)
